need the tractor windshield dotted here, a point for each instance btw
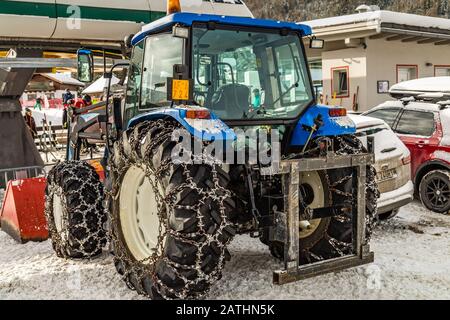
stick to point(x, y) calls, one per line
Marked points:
point(250, 75)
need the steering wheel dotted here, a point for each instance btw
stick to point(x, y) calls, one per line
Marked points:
point(256, 112)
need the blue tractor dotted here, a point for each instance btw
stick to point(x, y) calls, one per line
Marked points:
point(168, 222)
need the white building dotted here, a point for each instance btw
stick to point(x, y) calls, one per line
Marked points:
point(50, 87)
point(368, 52)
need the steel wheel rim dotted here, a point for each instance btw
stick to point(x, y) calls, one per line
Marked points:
point(58, 209)
point(313, 180)
point(139, 219)
point(438, 192)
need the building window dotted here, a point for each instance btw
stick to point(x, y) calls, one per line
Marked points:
point(315, 66)
point(442, 71)
point(340, 82)
point(407, 72)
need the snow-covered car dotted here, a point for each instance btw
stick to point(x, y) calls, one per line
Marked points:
point(393, 164)
point(421, 119)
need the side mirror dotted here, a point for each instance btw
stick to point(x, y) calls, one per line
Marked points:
point(316, 43)
point(117, 113)
point(85, 64)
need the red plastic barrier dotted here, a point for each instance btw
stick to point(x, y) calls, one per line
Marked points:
point(22, 215)
point(98, 168)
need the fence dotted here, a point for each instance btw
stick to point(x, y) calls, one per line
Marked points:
point(19, 173)
point(52, 103)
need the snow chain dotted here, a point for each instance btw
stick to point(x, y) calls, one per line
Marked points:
point(66, 242)
point(166, 204)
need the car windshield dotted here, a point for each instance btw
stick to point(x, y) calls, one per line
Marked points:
point(250, 75)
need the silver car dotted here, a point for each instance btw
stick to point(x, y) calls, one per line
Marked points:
point(392, 162)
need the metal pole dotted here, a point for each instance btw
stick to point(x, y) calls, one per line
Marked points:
point(104, 61)
point(360, 220)
point(291, 254)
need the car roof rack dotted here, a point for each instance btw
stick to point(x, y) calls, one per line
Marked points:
point(444, 104)
point(407, 100)
point(440, 98)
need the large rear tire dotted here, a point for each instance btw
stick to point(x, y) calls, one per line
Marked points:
point(332, 237)
point(74, 210)
point(170, 227)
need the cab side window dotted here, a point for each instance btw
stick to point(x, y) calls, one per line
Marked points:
point(388, 115)
point(134, 82)
point(417, 123)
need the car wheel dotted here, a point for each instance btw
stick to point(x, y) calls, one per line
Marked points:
point(434, 191)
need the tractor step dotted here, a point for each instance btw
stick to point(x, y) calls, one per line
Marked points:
point(282, 277)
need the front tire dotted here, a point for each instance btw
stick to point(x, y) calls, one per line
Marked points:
point(74, 210)
point(171, 227)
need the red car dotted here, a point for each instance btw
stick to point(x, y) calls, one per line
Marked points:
point(424, 127)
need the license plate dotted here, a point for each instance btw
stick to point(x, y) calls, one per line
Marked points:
point(387, 175)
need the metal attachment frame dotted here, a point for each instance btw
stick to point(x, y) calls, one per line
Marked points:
point(287, 226)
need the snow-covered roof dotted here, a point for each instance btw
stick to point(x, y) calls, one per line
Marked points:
point(98, 86)
point(423, 85)
point(413, 105)
point(382, 16)
point(63, 78)
point(365, 122)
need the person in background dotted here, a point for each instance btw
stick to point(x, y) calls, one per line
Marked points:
point(31, 124)
point(87, 100)
point(256, 101)
point(38, 104)
point(67, 96)
point(68, 104)
point(79, 103)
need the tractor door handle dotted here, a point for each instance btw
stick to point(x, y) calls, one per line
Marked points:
point(388, 150)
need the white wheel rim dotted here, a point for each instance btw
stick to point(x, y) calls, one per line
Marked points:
point(58, 209)
point(313, 180)
point(139, 218)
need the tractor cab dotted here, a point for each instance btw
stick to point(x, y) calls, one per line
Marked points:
point(241, 69)
point(244, 71)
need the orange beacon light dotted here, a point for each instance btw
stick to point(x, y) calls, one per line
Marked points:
point(173, 6)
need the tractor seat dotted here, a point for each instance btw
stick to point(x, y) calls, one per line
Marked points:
point(232, 99)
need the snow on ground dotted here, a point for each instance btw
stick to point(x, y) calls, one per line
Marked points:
point(412, 262)
point(55, 116)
